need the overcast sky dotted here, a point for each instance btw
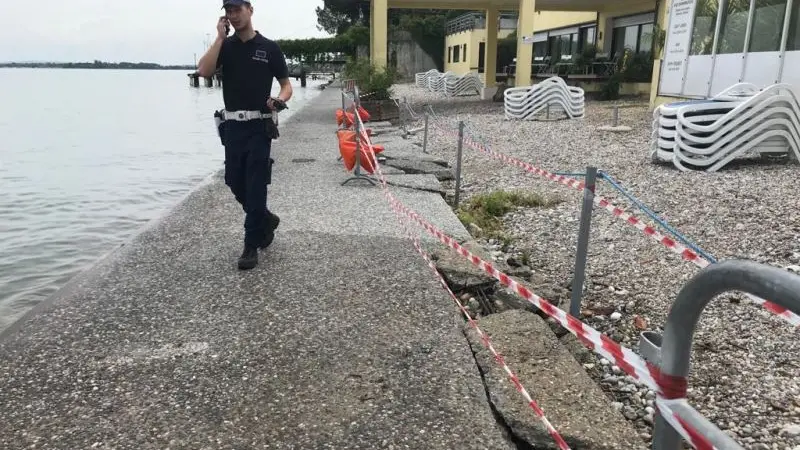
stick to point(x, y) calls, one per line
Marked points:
point(161, 31)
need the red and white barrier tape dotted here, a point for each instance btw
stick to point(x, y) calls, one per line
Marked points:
point(485, 339)
point(677, 248)
point(669, 389)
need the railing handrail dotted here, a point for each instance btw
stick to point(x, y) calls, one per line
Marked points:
point(672, 352)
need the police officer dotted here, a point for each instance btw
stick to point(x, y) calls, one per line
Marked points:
point(249, 62)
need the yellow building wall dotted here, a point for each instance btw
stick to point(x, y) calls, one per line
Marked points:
point(548, 20)
point(544, 20)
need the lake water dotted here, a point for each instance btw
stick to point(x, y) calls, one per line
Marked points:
point(87, 157)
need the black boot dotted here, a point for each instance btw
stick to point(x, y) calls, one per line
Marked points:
point(249, 258)
point(269, 230)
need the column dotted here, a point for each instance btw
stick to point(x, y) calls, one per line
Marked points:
point(378, 31)
point(525, 51)
point(490, 54)
point(604, 33)
point(662, 22)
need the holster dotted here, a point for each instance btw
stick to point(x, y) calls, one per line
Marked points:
point(272, 128)
point(219, 121)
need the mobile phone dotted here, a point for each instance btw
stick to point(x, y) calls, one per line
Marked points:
point(227, 27)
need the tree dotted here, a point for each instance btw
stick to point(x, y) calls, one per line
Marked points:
point(336, 16)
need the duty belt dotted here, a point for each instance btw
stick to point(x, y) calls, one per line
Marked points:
point(245, 115)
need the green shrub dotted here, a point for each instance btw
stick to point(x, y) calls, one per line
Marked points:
point(485, 210)
point(373, 83)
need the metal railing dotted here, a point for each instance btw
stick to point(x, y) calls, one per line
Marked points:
point(672, 350)
point(477, 20)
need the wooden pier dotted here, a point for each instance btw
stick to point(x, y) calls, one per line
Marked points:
point(194, 79)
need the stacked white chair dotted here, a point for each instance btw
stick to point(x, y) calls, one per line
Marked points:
point(422, 78)
point(526, 103)
point(739, 122)
point(449, 83)
point(468, 84)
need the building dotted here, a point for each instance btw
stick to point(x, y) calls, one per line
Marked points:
point(559, 38)
point(689, 48)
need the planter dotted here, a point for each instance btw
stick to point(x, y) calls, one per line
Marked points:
point(381, 110)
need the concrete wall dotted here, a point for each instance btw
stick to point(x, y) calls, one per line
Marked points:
point(409, 57)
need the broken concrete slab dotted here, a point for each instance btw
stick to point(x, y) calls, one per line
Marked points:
point(421, 182)
point(460, 274)
point(401, 149)
point(571, 400)
point(417, 166)
point(379, 124)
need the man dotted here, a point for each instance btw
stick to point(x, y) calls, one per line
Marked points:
point(249, 62)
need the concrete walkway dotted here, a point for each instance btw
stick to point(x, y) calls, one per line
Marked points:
point(341, 338)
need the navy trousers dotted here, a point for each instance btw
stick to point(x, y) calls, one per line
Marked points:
point(248, 171)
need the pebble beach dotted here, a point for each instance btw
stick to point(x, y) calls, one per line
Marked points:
point(744, 368)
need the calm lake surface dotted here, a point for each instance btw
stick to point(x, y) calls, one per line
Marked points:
point(87, 158)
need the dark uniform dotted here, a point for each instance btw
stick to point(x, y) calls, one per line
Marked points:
point(248, 69)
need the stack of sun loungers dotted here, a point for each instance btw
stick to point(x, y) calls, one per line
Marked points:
point(449, 84)
point(742, 121)
point(529, 102)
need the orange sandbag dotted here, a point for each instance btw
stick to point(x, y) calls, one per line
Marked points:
point(361, 113)
point(350, 137)
point(344, 117)
point(347, 148)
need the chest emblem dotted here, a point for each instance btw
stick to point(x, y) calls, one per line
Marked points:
point(261, 55)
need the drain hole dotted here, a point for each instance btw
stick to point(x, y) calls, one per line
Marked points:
point(303, 160)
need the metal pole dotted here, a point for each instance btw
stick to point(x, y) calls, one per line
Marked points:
point(357, 168)
point(616, 115)
point(583, 241)
point(458, 162)
point(784, 38)
point(547, 108)
point(425, 138)
point(403, 119)
point(779, 286)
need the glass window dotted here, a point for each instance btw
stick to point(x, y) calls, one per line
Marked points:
point(705, 23)
point(450, 54)
point(793, 43)
point(631, 38)
point(540, 49)
point(569, 44)
point(733, 26)
point(456, 53)
point(554, 44)
point(767, 28)
point(587, 37)
point(635, 38)
point(618, 41)
point(646, 38)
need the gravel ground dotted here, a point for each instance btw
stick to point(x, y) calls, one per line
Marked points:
point(744, 363)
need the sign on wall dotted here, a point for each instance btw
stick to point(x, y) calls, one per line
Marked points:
point(676, 47)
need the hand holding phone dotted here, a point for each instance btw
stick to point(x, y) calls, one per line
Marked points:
point(223, 27)
point(276, 104)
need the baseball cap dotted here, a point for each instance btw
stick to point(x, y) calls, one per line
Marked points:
point(234, 3)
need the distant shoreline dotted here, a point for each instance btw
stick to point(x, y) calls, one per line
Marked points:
point(95, 65)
